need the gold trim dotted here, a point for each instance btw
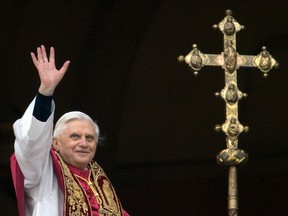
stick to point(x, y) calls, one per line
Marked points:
point(76, 199)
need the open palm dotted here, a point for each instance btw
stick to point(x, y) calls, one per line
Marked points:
point(50, 77)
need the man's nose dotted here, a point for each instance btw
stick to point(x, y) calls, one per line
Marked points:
point(83, 142)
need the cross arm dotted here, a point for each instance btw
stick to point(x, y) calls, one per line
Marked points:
point(196, 59)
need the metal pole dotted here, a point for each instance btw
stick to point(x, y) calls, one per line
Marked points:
point(232, 192)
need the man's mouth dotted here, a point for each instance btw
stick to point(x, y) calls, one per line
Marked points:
point(82, 152)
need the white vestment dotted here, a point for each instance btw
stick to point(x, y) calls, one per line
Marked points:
point(43, 196)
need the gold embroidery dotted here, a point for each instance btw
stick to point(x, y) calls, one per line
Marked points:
point(91, 185)
point(110, 204)
point(77, 200)
point(109, 195)
point(75, 197)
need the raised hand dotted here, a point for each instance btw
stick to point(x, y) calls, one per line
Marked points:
point(50, 77)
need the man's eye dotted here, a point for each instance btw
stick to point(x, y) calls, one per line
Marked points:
point(74, 136)
point(90, 138)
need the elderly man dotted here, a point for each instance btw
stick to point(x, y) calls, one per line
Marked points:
point(53, 172)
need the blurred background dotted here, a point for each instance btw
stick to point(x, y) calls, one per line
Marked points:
point(157, 119)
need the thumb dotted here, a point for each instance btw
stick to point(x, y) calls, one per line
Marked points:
point(64, 68)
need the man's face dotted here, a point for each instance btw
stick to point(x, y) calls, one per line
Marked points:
point(77, 143)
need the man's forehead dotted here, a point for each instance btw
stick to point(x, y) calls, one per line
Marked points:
point(79, 124)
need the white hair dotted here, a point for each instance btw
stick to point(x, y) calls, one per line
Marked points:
point(70, 116)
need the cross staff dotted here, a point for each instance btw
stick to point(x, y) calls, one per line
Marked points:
point(230, 61)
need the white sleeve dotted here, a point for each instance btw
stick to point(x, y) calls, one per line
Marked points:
point(32, 145)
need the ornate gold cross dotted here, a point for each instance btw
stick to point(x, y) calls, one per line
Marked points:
point(230, 61)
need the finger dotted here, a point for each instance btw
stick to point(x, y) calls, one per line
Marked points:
point(34, 59)
point(44, 54)
point(39, 54)
point(52, 55)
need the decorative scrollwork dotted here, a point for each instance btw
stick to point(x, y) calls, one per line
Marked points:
point(232, 127)
point(232, 94)
point(229, 27)
point(230, 57)
point(196, 59)
point(264, 61)
point(232, 157)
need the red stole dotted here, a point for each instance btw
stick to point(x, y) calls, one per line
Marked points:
point(76, 200)
point(18, 181)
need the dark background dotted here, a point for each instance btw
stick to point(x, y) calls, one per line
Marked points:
point(158, 119)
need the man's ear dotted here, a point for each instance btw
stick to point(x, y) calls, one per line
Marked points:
point(55, 144)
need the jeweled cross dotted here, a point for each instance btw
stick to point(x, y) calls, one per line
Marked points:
point(230, 61)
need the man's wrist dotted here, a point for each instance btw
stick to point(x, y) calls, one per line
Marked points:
point(42, 108)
